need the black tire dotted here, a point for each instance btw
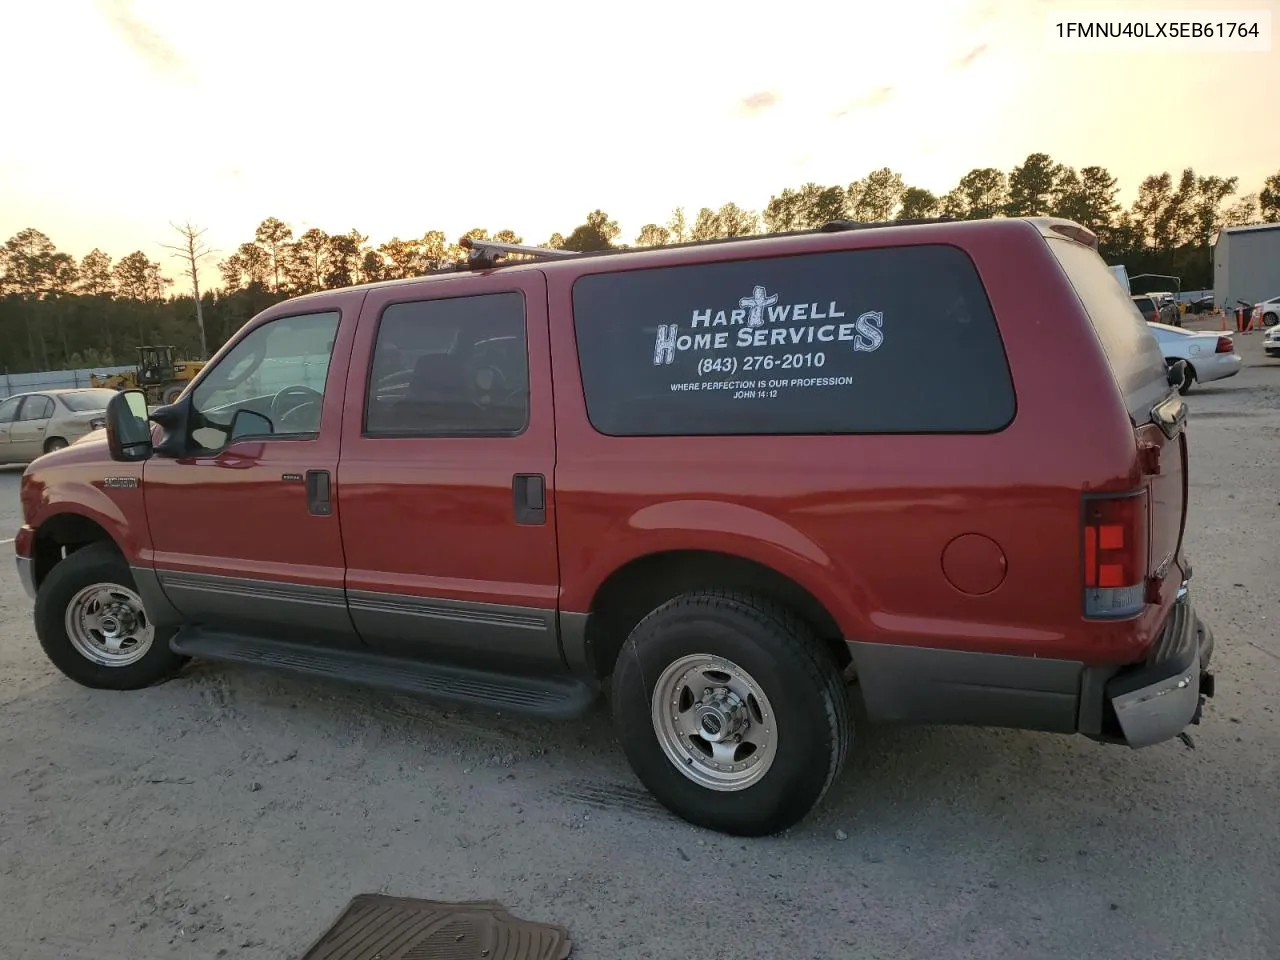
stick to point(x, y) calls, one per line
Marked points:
point(96, 563)
point(797, 675)
point(54, 443)
point(1270, 319)
point(172, 394)
point(1188, 379)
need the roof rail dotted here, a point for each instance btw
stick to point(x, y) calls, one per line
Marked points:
point(485, 254)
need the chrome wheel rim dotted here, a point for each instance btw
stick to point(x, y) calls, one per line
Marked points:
point(714, 722)
point(107, 625)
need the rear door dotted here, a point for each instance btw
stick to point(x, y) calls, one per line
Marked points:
point(26, 434)
point(445, 478)
point(8, 413)
point(1156, 410)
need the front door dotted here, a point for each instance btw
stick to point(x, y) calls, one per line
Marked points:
point(245, 530)
point(26, 433)
point(445, 483)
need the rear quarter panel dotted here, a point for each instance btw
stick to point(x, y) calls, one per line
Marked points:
point(862, 521)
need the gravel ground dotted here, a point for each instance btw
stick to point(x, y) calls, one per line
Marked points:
point(233, 813)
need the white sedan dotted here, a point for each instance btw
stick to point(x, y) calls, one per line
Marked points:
point(32, 424)
point(1271, 341)
point(1267, 313)
point(1209, 356)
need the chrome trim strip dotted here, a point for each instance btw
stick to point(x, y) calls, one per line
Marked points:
point(206, 583)
point(459, 611)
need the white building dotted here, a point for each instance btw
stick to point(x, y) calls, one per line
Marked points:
point(1246, 263)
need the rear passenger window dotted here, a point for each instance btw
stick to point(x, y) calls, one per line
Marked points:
point(454, 367)
point(37, 408)
point(896, 340)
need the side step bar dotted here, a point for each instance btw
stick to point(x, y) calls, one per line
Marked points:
point(556, 697)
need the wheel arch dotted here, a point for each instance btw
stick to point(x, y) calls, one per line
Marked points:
point(644, 583)
point(61, 534)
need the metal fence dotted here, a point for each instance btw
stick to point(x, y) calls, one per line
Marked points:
point(274, 375)
point(271, 377)
point(11, 383)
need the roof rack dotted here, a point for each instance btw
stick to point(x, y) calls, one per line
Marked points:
point(485, 254)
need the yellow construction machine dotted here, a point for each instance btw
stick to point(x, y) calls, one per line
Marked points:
point(157, 374)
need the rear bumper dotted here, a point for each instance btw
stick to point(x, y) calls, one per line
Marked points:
point(1157, 700)
point(1218, 367)
point(1136, 704)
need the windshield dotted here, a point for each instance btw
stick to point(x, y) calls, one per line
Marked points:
point(87, 401)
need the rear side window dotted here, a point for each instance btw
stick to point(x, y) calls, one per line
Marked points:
point(454, 367)
point(37, 408)
point(894, 340)
point(1132, 351)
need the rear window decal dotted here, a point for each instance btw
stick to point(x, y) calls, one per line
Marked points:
point(761, 323)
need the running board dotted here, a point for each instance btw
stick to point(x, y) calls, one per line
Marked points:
point(558, 697)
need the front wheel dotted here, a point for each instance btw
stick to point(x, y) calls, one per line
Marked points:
point(1270, 319)
point(172, 394)
point(731, 712)
point(92, 626)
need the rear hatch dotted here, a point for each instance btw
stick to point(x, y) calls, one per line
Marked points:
point(1158, 415)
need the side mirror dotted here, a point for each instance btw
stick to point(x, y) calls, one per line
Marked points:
point(128, 428)
point(250, 423)
point(1177, 370)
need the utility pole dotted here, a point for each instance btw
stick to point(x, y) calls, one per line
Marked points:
point(191, 251)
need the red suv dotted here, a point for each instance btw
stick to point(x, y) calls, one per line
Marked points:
point(736, 484)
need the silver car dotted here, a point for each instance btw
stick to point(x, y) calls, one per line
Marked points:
point(32, 424)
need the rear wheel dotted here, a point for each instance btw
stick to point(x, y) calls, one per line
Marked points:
point(172, 394)
point(731, 712)
point(92, 626)
point(1188, 378)
point(54, 443)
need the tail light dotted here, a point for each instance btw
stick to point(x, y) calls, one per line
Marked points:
point(1224, 345)
point(1116, 544)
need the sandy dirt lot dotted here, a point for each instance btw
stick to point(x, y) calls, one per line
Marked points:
point(234, 813)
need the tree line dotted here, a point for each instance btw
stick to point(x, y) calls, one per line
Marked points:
point(59, 312)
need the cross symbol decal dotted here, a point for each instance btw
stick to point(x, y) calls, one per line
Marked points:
point(756, 303)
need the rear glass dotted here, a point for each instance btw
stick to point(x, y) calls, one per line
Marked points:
point(1131, 349)
point(87, 401)
point(894, 340)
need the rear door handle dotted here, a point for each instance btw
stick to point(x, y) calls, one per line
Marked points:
point(530, 493)
point(319, 498)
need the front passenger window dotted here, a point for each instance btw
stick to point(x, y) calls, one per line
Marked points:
point(276, 374)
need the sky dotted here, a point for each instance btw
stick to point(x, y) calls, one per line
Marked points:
point(397, 117)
